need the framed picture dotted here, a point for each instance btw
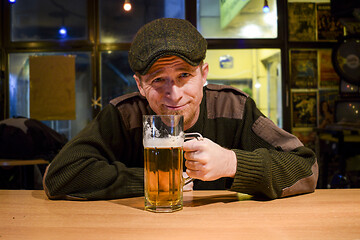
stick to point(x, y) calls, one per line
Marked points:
point(303, 68)
point(302, 21)
point(304, 109)
point(328, 78)
point(327, 99)
point(328, 28)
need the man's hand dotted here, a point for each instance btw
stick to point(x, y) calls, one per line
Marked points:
point(188, 187)
point(207, 161)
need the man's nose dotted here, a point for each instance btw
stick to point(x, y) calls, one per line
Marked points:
point(173, 91)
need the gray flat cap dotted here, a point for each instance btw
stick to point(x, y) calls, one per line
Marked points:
point(166, 36)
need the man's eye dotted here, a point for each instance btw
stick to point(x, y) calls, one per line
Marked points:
point(184, 75)
point(157, 80)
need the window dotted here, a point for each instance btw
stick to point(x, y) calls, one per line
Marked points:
point(40, 20)
point(118, 25)
point(254, 71)
point(19, 91)
point(116, 75)
point(237, 19)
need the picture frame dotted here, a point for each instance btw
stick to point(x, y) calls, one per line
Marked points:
point(304, 109)
point(303, 69)
point(302, 21)
point(328, 27)
point(328, 77)
point(326, 107)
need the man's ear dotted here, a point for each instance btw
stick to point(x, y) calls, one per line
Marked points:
point(138, 83)
point(205, 71)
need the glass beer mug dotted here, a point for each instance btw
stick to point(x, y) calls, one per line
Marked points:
point(163, 139)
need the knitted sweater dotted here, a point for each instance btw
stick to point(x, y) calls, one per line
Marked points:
point(105, 160)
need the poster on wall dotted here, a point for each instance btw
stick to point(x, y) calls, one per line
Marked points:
point(52, 87)
point(327, 100)
point(328, 28)
point(303, 68)
point(304, 105)
point(302, 21)
point(328, 78)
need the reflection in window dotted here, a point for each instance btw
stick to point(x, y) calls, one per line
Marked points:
point(117, 25)
point(48, 20)
point(237, 19)
point(19, 91)
point(254, 71)
point(116, 76)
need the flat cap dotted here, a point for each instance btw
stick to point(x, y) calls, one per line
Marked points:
point(166, 36)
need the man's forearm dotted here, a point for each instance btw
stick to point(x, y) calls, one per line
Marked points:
point(274, 173)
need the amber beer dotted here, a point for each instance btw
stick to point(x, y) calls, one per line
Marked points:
point(163, 178)
point(163, 138)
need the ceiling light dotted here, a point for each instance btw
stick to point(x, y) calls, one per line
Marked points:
point(127, 5)
point(266, 8)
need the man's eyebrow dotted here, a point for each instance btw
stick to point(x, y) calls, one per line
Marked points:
point(186, 68)
point(153, 74)
point(177, 67)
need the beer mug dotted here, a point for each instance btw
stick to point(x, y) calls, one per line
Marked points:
point(163, 139)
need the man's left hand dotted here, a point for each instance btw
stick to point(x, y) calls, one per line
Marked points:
point(208, 161)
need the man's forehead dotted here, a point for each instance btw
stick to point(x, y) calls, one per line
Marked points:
point(169, 61)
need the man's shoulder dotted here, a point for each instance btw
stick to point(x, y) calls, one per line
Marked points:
point(225, 101)
point(225, 89)
point(128, 98)
point(131, 107)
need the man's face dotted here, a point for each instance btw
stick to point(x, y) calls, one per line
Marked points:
point(174, 87)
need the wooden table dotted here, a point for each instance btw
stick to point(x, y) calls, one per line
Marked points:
point(325, 214)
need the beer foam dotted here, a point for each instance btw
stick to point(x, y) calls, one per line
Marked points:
point(170, 141)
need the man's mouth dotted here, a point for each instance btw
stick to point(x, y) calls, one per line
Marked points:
point(175, 107)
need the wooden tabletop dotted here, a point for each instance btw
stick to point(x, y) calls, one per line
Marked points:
point(325, 214)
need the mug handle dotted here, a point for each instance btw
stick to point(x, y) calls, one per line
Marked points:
point(189, 136)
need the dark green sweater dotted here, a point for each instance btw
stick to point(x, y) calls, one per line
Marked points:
point(105, 160)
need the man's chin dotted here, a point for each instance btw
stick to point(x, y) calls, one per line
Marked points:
point(172, 112)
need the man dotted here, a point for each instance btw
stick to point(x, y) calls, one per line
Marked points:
point(242, 151)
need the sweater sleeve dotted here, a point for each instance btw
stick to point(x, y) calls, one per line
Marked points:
point(272, 162)
point(90, 166)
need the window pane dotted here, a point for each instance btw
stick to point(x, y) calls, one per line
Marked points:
point(255, 71)
point(117, 25)
point(39, 20)
point(237, 19)
point(116, 76)
point(19, 91)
